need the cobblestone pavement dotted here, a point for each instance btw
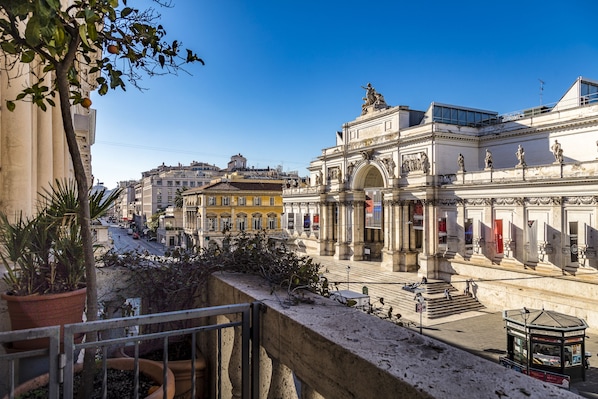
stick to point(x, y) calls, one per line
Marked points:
point(481, 332)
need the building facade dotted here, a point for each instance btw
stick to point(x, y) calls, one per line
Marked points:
point(231, 205)
point(33, 145)
point(458, 193)
point(159, 186)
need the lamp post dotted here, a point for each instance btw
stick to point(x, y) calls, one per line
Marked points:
point(525, 315)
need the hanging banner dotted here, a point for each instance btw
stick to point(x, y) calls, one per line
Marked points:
point(316, 225)
point(291, 221)
point(418, 216)
point(373, 209)
point(306, 222)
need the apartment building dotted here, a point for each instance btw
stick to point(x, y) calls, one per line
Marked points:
point(232, 204)
point(460, 193)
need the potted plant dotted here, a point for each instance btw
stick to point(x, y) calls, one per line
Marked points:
point(176, 282)
point(167, 283)
point(119, 383)
point(43, 257)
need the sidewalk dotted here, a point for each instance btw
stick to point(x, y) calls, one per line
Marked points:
point(481, 332)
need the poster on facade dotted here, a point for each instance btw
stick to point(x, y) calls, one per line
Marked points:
point(418, 216)
point(291, 221)
point(373, 209)
point(306, 221)
point(316, 224)
point(498, 239)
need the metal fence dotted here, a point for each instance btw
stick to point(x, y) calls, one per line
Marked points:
point(61, 364)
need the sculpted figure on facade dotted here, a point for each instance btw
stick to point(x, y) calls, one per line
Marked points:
point(390, 165)
point(488, 160)
point(557, 151)
point(350, 169)
point(372, 97)
point(520, 155)
point(319, 178)
point(425, 162)
point(461, 162)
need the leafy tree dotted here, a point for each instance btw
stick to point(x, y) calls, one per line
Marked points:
point(178, 197)
point(63, 42)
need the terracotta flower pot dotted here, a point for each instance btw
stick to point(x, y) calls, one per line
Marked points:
point(32, 311)
point(180, 368)
point(147, 367)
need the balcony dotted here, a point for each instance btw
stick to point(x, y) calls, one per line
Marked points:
point(318, 348)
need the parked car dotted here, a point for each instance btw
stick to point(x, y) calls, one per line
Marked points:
point(152, 238)
point(135, 236)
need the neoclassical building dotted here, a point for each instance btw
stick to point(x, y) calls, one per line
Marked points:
point(33, 148)
point(458, 193)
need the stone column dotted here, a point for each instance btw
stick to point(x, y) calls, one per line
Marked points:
point(61, 160)
point(16, 144)
point(45, 158)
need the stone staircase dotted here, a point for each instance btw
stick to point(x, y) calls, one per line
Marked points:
point(436, 303)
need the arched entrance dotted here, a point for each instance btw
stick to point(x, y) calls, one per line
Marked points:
point(373, 213)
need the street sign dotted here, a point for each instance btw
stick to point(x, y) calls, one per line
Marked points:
point(421, 307)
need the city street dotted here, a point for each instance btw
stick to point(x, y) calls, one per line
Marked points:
point(124, 242)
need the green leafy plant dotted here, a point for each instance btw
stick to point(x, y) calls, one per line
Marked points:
point(44, 254)
point(176, 281)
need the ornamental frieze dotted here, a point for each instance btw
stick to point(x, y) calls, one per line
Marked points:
point(519, 201)
point(588, 200)
point(544, 200)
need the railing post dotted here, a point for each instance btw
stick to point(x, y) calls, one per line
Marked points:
point(282, 384)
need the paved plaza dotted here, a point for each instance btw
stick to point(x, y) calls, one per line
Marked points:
point(479, 332)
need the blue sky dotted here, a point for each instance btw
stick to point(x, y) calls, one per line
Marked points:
point(281, 77)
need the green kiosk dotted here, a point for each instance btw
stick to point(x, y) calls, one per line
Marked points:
point(546, 345)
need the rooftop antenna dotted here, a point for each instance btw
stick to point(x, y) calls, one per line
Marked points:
point(541, 89)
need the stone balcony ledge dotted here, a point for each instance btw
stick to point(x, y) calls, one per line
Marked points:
point(340, 352)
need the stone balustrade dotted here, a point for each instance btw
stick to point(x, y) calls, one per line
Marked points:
point(322, 349)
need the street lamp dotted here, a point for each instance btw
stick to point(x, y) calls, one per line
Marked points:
point(525, 315)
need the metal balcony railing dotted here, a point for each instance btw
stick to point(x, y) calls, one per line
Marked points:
point(162, 326)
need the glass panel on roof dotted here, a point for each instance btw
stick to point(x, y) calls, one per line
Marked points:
point(446, 114)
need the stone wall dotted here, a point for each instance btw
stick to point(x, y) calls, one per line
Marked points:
point(340, 352)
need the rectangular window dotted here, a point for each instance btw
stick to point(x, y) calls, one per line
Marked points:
point(257, 201)
point(225, 223)
point(468, 234)
point(169, 183)
point(158, 182)
point(241, 223)
point(241, 201)
point(272, 222)
point(442, 236)
point(225, 201)
point(211, 200)
point(211, 223)
point(272, 202)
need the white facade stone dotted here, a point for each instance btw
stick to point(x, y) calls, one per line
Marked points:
point(454, 220)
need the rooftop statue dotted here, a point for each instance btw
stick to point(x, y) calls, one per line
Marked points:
point(372, 98)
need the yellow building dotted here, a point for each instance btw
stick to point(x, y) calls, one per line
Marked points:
point(231, 205)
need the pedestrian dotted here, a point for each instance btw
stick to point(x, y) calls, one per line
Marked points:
point(467, 287)
point(424, 280)
point(447, 294)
